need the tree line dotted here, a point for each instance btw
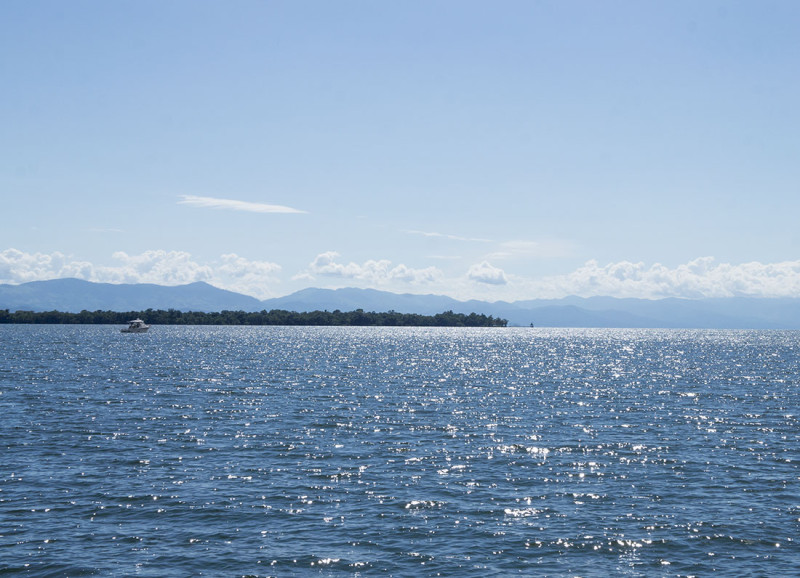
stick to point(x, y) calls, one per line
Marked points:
point(359, 317)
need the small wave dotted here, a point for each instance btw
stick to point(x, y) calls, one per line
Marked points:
point(326, 561)
point(522, 512)
point(423, 504)
point(522, 449)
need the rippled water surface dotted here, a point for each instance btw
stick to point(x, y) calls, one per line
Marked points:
point(327, 451)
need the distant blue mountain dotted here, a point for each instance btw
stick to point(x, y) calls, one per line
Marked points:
point(366, 299)
point(75, 295)
point(732, 313)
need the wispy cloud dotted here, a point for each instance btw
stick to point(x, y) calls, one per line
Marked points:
point(234, 205)
point(546, 249)
point(445, 257)
point(513, 249)
point(449, 237)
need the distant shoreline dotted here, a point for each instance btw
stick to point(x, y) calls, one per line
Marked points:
point(357, 318)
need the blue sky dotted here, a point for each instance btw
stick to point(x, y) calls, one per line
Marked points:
point(492, 150)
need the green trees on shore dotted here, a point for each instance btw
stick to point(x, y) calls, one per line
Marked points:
point(359, 317)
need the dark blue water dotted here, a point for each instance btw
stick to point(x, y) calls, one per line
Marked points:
point(331, 451)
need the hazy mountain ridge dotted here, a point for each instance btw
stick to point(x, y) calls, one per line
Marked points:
point(74, 295)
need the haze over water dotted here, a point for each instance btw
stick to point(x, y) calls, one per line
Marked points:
point(331, 451)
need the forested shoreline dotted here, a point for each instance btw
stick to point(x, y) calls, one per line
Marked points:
point(359, 317)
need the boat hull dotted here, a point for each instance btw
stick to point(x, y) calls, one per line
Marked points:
point(136, 326)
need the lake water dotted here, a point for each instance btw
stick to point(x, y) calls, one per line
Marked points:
point(272, 451)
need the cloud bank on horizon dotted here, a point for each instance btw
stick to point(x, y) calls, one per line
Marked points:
point(702, 277)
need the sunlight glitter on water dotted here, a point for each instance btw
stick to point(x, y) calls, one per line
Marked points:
point(268, 451)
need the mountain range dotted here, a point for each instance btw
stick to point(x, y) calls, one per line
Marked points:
point(74, 295)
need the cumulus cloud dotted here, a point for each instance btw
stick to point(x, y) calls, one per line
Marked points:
point(701, 277)
point(19, 267)
point(158, 266)
point(325, 264)
point(486, 273)
point(246, 276)
point(233, 205)
point(379, 272)
point(416, 276)
point(238, 267)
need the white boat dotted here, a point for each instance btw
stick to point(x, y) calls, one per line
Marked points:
point(136, 326)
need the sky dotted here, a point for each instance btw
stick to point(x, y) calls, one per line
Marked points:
point(503, 150)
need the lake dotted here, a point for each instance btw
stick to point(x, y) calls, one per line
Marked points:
point(270, 451)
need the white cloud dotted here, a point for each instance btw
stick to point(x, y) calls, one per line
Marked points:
point(416, 276)
point(238, 267)
point(233, 205)
point(325, 264)
point(246, 276)
point(303, 276)
point(486, 273)
point(19, 267)
point(378, 272)
point(160, 267)
point(701, 277)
